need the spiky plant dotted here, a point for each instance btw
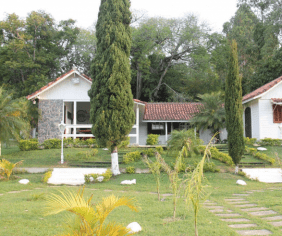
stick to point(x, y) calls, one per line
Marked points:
point(6, 168)
point(13, 116)
point(91, 217)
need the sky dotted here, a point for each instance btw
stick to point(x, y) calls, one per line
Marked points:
point(85, 12)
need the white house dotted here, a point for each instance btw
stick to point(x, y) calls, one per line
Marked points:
point(263, 111)
point(66, 99)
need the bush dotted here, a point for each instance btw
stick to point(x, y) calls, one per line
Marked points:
point(250, 141)
point(210, 167)
point(223, 157)
point(29, 144)
point(270, 142)
point(86, 155)
point(91, 142)
point(152, 139)
point(52, 143)
point(259, 155)
point(107, 175)
point(47, 176)
point(160, 149)
point(130, 169)
point(150, 152)
point(131, 157)
point(125, 143)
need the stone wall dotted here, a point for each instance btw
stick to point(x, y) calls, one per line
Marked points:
point(51, 116)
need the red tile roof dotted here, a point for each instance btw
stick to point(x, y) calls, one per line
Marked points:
point(170, 111)
point(139, 101)
point(53, 82)
point(276, 100)
point(262, 89)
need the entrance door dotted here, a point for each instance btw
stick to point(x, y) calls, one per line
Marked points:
point(248, 123)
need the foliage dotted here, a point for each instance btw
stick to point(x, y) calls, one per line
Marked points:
point(91, 217)
point(211, 113)
point(33, 50)
point(86, 155)
point(250, 141)
point(131, 157)
point(195, 189)
point(111, 100)
point(52, 143)
point(152, 139)
point(259, 155)
point(107, 176)
point(28, 144)
point(155, 168)
point(270, 142)
point(178, 139)
point(173, 175)
point(90, 142)
point(150, 152)
point(233, 108)
point(223, 157)
point(36, 197)
point(125, 143)
point(130, 169)
point(13, 116)
point(6, 168)
point(47, 176)
point(160, 149)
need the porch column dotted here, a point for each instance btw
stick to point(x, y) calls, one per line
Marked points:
point(74, 119)
point(165, 131)
point(137, 124)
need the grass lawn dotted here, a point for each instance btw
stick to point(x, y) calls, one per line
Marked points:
point(22, 206)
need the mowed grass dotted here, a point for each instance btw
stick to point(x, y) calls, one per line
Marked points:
point(24, 214)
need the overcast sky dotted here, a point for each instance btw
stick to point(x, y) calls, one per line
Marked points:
point(85, 12)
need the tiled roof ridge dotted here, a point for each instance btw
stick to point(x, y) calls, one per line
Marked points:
point(262, 89)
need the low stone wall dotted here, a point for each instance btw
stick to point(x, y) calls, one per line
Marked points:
point(51, 116)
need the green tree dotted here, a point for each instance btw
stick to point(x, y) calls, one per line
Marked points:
point(211, 113)
point(33, 50)
point(112, 113)
point(233, 108)
point(13, 117)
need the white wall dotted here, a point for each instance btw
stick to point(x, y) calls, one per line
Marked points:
point(67, 90)
point(255, 117)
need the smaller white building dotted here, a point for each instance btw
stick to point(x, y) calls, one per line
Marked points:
point(263, 111)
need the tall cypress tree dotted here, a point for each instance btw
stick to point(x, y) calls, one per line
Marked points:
point(233, 107)
point(112, 113)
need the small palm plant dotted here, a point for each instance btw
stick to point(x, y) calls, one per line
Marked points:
point(173, 174)
point(6, 168)
point(196, 190)
point(155, 168)
point(91, 218)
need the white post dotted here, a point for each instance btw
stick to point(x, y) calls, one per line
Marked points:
point(74, 118)
point(62, 149)
point(137, 124)
point(114, 159)
point(165, 131)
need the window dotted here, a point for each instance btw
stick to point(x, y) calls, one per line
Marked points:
point(158, 128)
point(277, 114)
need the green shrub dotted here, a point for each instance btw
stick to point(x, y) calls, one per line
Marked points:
point(263, 156)
point(130, 169)
point(160, 149)
point(223, 157)
point(91, 142)
point(125, 143)
point(150, 152)
point(250, 141)
point(152, 139)
point(29, 144)
point(86, 155)
point(270, 142)
point(47, 176)
point(107, 175)
point(52, 143)
point(131, 157)
point(210, 167)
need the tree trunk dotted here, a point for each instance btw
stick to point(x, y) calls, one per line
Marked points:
point(114, 158)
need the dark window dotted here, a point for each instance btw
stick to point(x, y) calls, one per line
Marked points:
point(277, 114)
point(158, 128)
